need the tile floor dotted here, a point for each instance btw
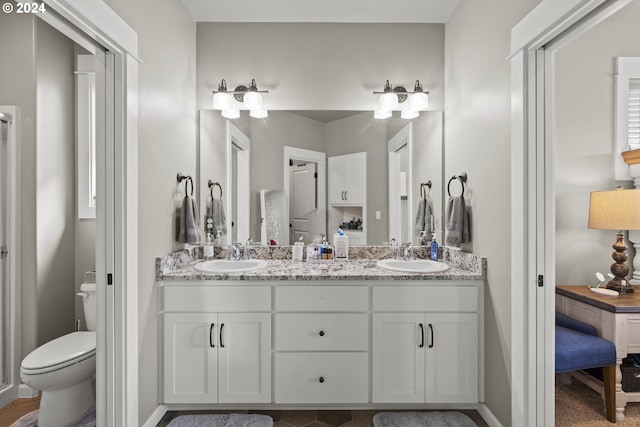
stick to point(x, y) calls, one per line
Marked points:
point(320, 418)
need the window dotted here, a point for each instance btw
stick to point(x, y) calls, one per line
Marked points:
point(85, 137)
point(627, 111)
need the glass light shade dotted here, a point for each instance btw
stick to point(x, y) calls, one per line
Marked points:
point(615, 210)
point(388, 101)
point(382, 114)
point(222, 101)
point(253, 100)
point(231, 113)
point(409, 114)
point(260, 113)
point(419, 101)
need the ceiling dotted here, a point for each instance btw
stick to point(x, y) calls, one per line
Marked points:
point(341, 11)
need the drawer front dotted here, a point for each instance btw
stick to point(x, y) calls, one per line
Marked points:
point(425, 298)
point(322, 332)
point(322, 378)
point(223, 299)
point(322, 298)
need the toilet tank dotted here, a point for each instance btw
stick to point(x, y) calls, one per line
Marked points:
point(88, 294)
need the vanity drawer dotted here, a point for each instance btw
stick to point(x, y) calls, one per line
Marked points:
point(322, 298)
point(322, 378)
point(323, 332)
point(223, 299)
point(425, 298)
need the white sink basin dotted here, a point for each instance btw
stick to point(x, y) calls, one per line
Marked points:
point(229, 266)
point(413, 266)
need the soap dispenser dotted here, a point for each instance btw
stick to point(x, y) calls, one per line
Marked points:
point(297, 250)
point(208, 248)
point(434, 248)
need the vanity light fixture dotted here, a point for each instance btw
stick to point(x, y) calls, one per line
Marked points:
point(241, 98)
point(391, 99)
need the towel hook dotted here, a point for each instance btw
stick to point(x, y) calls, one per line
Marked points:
point(462, 178)
point(181, 177)
point(212, 184)
point(423, 193)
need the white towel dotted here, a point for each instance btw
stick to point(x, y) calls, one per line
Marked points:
point(215, 219)
point(457, 222)
point(189, 226)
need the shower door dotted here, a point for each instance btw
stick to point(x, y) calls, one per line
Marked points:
point(9, 302)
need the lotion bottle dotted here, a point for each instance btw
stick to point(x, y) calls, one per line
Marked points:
point(434, 248)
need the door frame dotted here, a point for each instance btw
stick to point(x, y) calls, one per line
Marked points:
point(403, 138)
point(237, 138)
point(533, 40)
point(117, 185)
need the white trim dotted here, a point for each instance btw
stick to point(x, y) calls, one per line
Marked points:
point(488, 416)
point(532, 195)
point(156, 416)
point(294, 153)
point(627, 68)
point(85, 136)
point(236, 137)
point(12, 240)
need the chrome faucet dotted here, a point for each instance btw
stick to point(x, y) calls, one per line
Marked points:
point(236, 252)
point(409, 252)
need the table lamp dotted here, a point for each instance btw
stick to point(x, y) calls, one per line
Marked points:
point(616, 210)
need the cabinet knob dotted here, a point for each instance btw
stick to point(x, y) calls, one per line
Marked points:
point(321, 333)
point(321, 379)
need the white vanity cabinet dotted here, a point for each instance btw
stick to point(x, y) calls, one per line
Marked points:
point(321, 344)
point(216, 344)
point(425, 344)
point(348, 179)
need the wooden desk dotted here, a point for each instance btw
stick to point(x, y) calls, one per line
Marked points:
point(616, 319)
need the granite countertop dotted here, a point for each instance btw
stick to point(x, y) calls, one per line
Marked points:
point(181, 266)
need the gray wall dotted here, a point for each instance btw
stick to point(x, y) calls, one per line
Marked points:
point(585, 142)
point(167, 145)
point(477, 141)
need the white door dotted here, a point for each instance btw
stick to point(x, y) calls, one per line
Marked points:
point(452, 358)
point(398, 358)
point(190, 357)
point(244, 354)
point(303, 206)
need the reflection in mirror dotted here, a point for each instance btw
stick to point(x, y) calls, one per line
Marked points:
point(336, 168)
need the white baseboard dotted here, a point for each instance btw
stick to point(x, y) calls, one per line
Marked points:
point(155, 416)
point(488, 416)
point(26, 392)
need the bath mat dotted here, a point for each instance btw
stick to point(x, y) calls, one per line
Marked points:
point(88, 419)
point(422, 419)
point(221, 420)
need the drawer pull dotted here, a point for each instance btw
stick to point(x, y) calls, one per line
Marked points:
point(321, 379)
point(221, 326)
point(431, 333)
point(211, 335)
point(321, 333)
point(421, 335)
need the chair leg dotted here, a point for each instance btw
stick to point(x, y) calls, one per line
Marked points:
point(609, 382)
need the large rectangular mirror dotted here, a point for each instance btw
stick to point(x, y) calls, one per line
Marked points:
point(302, 174)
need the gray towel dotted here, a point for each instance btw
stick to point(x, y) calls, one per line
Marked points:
point(457, 222)
point(424, 217)
point(189, 226)
point(422, 419)
point(215, 218)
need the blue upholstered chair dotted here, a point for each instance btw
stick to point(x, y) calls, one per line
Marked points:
point(578, 347)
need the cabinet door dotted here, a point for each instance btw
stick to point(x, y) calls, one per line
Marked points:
point(190, 358)
point(337, 180)
point(398, 359)
point(244, 353)
point(452, 358)
point(356, 178)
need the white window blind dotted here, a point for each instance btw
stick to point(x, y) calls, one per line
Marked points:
point(633, 119)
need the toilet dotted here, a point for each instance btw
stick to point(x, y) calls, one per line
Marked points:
point(63, 370)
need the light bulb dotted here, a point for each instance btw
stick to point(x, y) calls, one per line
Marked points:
point(231, 113)
point(419, 101)
point(253, 100)
point(388, 101)
point(222, 101)
point(382, 114)
point(260, 113)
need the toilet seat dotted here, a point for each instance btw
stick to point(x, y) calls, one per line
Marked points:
point(62, 352)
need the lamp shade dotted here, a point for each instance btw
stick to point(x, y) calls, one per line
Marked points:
point(388, 101)
point(253, 100)
point(615, 210)
point(260, 113)
point(382, 114)
point(419, 101)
